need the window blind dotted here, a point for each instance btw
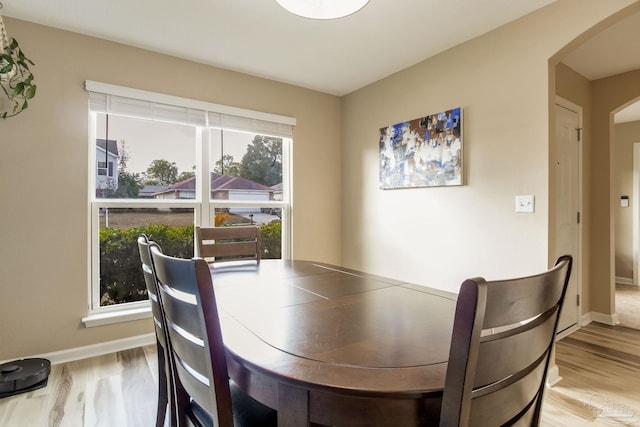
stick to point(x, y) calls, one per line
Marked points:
point(120, 100)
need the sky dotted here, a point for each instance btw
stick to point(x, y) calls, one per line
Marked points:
point(147, 140)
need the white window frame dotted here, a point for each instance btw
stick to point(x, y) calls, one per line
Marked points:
point(214, 115)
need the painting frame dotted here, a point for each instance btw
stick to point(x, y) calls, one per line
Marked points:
point(423, 152)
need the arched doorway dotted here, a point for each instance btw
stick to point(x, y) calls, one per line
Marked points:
point(587, 75)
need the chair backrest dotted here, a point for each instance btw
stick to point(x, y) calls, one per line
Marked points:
point(503, 336)
point(165, 377)
point(229, 243)
point(152, 290)
point(198, 356)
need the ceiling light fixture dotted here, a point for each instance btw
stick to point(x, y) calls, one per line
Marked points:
point(323, 9)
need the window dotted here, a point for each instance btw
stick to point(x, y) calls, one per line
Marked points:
point(164, 164)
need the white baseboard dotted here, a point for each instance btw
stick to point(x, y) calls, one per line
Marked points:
point(592, 316)
point(553, 376)
point(624, 280)
point(93, 350)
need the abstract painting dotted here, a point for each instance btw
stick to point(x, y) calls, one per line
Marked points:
point(424, 152)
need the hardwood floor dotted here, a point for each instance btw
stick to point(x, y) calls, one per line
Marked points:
point(599, 364)
point(600, 369)
point(628, 305)
point(114, 390)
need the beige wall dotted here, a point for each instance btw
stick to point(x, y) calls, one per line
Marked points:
point(440, 236)
point(44, 168)
point(626, 134)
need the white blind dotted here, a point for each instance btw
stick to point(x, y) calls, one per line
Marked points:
point(120, 100)
point(263, 127)
point(113, 104)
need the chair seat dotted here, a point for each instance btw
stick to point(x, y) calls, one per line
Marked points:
point(247, 412)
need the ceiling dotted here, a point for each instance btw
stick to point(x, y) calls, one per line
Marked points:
point(260, 38)
point(338, 56)
point(612, 51)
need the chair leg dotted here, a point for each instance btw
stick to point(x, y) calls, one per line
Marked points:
point(163, 387)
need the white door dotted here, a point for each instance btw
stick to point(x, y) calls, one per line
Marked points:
point(567, 205)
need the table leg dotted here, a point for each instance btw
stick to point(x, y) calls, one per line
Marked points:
point(293, 406)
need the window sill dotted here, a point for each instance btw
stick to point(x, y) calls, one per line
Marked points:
point(117, 316)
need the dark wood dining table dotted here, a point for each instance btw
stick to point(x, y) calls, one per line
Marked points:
point(332, 346)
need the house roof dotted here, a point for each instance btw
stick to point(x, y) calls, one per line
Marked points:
point(152, 189)
point(220, 182)
point(236, 183)
point(110, 145)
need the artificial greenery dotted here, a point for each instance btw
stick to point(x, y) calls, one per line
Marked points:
point(16, 79)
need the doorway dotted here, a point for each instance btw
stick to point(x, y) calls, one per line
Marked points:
point(627, 291)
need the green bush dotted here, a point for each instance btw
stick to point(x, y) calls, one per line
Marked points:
point(121, 278)
point(271, 240)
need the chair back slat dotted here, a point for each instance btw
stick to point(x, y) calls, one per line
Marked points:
point(531, 296)
point(506, 403)
point(229, 243)
point(198, 356)
point(502, 341)
point(186, 333)
point(230, 249)
point(513, 351)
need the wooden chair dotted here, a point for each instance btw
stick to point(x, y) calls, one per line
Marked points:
point(229, 243)
point(503, 335)
point(165, 383)
point(204, 395)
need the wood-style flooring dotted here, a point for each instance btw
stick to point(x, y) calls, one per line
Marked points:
point(628, 305)
point(600, 367)
point(114, 390)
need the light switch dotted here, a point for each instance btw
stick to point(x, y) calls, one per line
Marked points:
point(525, 204)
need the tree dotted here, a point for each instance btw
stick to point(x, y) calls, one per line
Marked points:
point(226, 166)
point(186, 175)
point(161, 172)
point(129, 184)
point(262, 162)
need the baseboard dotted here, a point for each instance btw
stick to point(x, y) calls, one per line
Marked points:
point(78, 353)
point(592, 316)
point(624, 280)
point(553, 376)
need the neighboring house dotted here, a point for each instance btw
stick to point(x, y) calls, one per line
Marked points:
point(107, 164)
point(150, 191)
point(277, 191)
point(223, 187)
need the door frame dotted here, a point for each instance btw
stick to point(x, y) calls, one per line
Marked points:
point(635, 205)
point(576, 270)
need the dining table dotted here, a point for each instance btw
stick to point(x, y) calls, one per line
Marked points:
point(328, 345)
